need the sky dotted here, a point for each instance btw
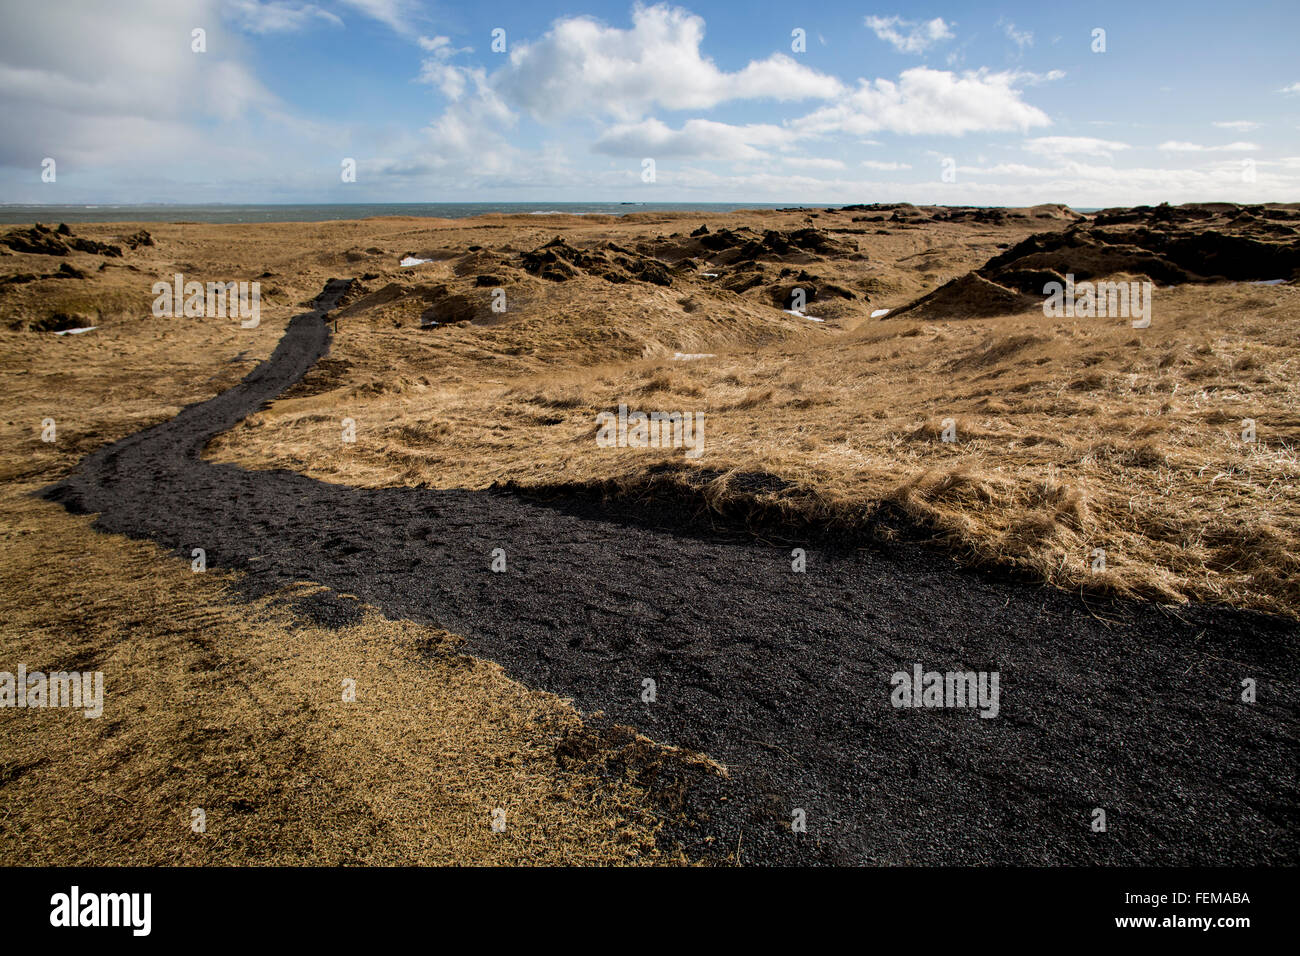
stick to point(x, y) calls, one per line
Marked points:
point(1092, 105)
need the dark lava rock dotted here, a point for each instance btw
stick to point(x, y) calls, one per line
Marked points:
point(559, 261)
point(43, 241)
point(784, 295)
point(138, 239)
point(59, 322)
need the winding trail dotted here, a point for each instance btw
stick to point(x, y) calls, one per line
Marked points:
point(783, 677)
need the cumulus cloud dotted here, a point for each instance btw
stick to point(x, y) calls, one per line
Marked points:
point(438, 70)
point(926, 101)
point(105, 83)
point(109, 89)
point(909, 36)
point(583, 67)
point(1293, 88)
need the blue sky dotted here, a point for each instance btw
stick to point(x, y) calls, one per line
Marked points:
point(1003, 104)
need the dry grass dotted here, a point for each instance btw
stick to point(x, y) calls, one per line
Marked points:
point(213, 702)
point(1072, 434)
point(238, 709)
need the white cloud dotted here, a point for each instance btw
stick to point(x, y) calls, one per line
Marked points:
point(1071, 145)
point(1293, 88)
point(1177, 146)
point(437, 70)
point(1077, 184)
point(1136, 184)
point(1021, 38)
point(397, 14)
point(1030, 78)
point(926, 101)
point(103, 84)
point(909, 36)
point(276, 16)
point(812, 162)
point(130, 113)
point(698, 138)
point(583, 67)
point(439, 45)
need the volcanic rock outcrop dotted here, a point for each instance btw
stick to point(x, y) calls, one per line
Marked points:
point(1169, 245)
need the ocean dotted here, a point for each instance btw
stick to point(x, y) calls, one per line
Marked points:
point(277, 212)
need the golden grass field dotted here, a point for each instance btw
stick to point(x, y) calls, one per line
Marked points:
point(1073, 435)
point(235, 709)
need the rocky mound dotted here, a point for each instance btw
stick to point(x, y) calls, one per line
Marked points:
point(1240, 217)
point(903, 213)
point(44, 241)
point(967, 297)
point(741, 247)
point(138, 239)
point(65, 271)
point(1088, 254)
point(1208, 242)
point(431, 306)
point(558, 261)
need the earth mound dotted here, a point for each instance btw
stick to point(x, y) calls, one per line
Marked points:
point(558, 261)
point(44, 241)
point(1169, 245)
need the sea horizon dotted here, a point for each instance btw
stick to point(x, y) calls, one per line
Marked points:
point(222, 212)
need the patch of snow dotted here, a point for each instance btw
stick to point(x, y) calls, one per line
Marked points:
point(810, 318)
point(691, 356)
point(1268, 282)
point(709, 275)
point(879, 312)
point(412, 261)
point(89, 328)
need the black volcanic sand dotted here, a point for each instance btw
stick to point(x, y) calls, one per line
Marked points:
point(783, 677)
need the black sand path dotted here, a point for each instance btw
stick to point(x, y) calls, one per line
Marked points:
point(783, 677)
